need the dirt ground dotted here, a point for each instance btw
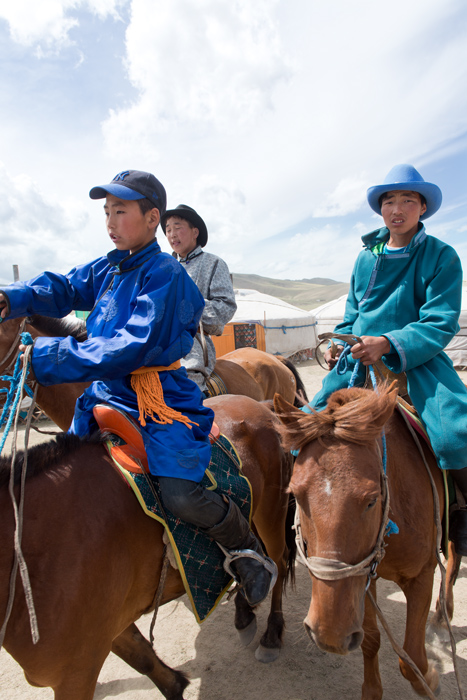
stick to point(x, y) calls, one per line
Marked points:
point(221, 669)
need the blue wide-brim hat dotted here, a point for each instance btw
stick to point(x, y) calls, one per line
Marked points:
point(405, 177)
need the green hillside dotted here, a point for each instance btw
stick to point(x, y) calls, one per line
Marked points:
point(306, 294)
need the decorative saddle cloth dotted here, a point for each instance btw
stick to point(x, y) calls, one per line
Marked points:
point(199, 559)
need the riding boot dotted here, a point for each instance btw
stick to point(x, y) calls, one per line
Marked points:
point(458, 517)
point(245, 559)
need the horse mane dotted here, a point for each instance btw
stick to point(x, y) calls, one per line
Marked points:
point(353, 415)
point(43, 457)
point(60, 327)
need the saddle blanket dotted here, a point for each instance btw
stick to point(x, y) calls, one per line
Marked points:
point(449, 489)
point(199, 559)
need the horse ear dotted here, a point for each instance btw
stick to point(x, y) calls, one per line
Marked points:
point(284, 410)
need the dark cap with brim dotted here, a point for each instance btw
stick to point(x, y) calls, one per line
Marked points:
point(186, 212)
point(132, 185)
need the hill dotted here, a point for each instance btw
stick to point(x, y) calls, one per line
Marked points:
point(306, 294)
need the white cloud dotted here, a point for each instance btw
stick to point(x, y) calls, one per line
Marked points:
point(37, 233)
point(347, 197)
point(261, 115)
point(46, 24)
point(207, 64)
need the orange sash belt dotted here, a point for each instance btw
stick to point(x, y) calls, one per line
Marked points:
point(146, 383)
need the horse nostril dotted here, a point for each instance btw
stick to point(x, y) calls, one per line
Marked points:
point(354, 641)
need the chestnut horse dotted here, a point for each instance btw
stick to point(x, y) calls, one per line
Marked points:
point(247, 371)
point(259, 374)
point(95, 558)
point(339, 489)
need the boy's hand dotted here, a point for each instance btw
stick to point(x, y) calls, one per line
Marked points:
point(22, 349)
point(3, 306)
point(371, 349)
point(331, 355)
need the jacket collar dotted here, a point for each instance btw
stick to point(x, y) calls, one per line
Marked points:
point(125, 261)
point(193, 254)
point(381, 235)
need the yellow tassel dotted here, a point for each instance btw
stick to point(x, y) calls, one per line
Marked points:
point(147, 385)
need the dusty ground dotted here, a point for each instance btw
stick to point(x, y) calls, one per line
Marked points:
point(221, 669)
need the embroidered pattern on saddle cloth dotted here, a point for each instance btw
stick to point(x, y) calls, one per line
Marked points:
point(199, 559)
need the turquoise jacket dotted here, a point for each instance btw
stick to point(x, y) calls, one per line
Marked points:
point(414, 299)
point(144, 311)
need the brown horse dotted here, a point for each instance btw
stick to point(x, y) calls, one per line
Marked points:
point(95, 559)
point(247, 371)
point(339, 488)
point(259, 374)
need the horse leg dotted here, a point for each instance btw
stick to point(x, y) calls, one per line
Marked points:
point(418, 593)
point(372, 688)
point(272, 532)
point(437, 621)
point(138, 653)
point(245, 620)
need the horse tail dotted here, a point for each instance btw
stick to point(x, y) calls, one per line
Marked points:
point(301, 397)
point(290, 539)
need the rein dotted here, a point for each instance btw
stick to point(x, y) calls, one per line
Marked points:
point(11, 412)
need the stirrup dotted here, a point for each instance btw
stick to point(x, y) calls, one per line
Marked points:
point(231, 555)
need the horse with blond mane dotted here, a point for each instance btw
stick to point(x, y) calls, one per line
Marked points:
point(346, 502)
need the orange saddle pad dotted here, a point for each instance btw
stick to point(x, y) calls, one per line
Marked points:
point(130, 454)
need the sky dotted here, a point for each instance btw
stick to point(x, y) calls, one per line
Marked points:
point(271, 118)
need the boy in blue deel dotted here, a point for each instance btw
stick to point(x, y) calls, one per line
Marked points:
point(404, 302)
point(144, 313)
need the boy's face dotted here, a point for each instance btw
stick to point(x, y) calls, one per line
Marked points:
point(182, 237)
point(128, 228)
point(401, 211)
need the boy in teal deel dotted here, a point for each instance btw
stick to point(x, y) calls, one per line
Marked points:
point(404, 302)
point(144, 313)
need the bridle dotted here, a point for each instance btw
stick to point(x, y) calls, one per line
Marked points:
point(14, 348)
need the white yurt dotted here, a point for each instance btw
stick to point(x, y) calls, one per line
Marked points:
point(457, 348)
point(330, 314)
point(268, 323)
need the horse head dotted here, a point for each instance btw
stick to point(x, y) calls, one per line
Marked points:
point(337, 482)
point(56, 401)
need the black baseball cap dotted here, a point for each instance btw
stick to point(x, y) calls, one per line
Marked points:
point(132, 185)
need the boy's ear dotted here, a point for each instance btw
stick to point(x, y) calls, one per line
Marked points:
point(154, 217)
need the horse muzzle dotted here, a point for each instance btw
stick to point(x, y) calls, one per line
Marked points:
point(332, 643)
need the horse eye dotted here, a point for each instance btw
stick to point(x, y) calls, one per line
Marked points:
point(371, 503)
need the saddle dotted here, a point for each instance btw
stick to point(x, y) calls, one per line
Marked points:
point(199, 559)
point(215, 385)
point(124, 434)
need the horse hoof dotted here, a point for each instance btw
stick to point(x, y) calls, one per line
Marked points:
point(265, 655)
point(437, 635)
point(247, 634)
